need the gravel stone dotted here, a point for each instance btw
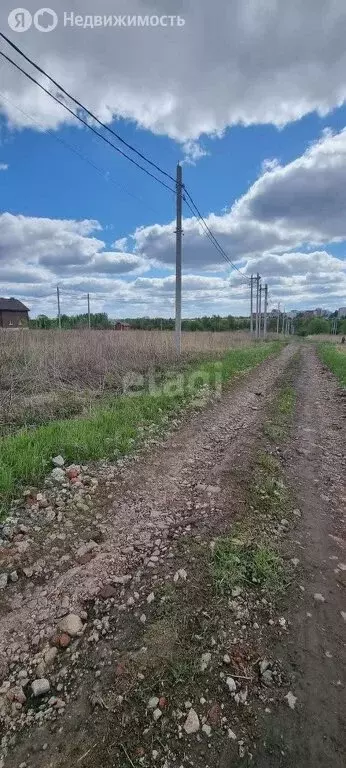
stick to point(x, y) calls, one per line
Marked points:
point(71, 624)
point(192, 724)
point(58, 475)
point(231, 684)
point(3, 580)
point(58, 461)
point(40, 686)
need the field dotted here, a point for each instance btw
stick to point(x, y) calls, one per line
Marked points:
point(94, 393)
point(52, 374)
point(34, 362)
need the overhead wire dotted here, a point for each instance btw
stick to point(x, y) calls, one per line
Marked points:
point(85, 109)
point(105, 174)
point(187, 196)
point(84, 122)
point(213, 239)
point(212, 236)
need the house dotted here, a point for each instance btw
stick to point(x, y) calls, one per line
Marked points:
point(13, 314)
point(119, 326)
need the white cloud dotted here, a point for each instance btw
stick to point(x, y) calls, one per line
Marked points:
point(242, 62)
point(307, 196)
point(3, 167)
point(36, 253)
point(300, 204)
point(193, 151)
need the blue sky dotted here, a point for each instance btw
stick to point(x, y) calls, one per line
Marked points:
point(265, 164)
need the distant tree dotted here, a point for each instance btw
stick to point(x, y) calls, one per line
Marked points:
point(318, 325)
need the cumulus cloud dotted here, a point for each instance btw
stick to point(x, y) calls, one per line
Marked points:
point(307, 196)
point(242, 62)
point(36, 253)
point(309, 278)
point(3, 167)
point(299, 204)
point(193, 151)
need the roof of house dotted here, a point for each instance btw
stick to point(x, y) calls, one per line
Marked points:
point(12, 305)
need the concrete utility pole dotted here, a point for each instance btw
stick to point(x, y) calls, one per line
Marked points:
point(278, 320)
point(251, 307)
point(59, 313)
point(178, 252)
point(265, 311)
point(260, 312)
point(283, 322)
point(257, 304)
point(89, 324)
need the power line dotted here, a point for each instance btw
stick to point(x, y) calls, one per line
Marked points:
point(76, 150)
point(205, 231)
point(212, 237)
point(84, 122)
point(85, 109)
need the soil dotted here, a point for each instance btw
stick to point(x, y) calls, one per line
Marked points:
point(160, 515)
point(315, 653)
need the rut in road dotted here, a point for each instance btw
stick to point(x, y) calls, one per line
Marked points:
point(314, 736)
point(143, 500)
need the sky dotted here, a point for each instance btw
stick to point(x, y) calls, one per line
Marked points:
point(249, 96)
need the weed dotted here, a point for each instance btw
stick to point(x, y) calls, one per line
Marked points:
point(277, 426)
point(268, 494)
point(268, 463)
point(286, 401)
point(183, 671)
point(235, 563)
point(115, 429)
point(335, 358)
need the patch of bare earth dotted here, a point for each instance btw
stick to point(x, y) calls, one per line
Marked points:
point(314, 652)
point(169, 670)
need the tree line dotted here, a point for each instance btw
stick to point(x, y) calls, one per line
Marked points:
point(101, 320)
point(303, 325)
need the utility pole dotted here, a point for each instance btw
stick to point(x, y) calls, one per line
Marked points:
point(178, 252)
point(257, 304)
point(260, 312)
point(89, 324)
point(283, 322)
point(251, 307)
point(265, 311)
point(278, 320)
point(59, 313)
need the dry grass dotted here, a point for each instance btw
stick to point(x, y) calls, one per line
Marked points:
point(325, 337)
point(41, 362)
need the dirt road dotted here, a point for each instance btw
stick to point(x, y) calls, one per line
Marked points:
point(158, 643)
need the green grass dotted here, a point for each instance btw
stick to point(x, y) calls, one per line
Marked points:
point(334, 357)
point(239, 564)
point(114, 429)
point(278, 425)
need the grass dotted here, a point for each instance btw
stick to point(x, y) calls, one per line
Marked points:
point(39, 362)
point(335, 359)
point(115, 429)
point(246, 557)
point(239, 564)
point(277, 426)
